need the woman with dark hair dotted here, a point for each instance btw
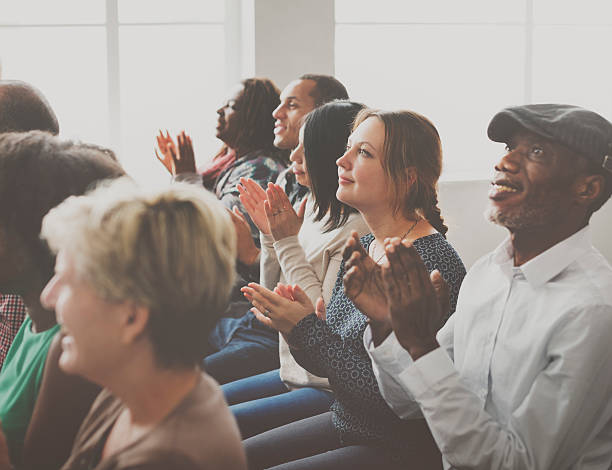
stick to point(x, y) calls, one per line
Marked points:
point(246, 127)
point(389, 173)
point(301, 248)
point(41, 407)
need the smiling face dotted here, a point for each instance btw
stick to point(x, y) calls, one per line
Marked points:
point(227, 117)
point(532, 183)
point(295, 102)
point(91, 345)
point(298, 159)
point(361, 176)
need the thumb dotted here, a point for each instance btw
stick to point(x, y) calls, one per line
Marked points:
point(299, 295)
point(302, 209)
point(238, 214)
point(320, 309)
point(437, 280)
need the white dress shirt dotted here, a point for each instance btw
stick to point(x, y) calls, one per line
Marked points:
point(523, 377)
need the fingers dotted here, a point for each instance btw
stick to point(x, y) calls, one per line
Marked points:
point(320, 309)
point(299, 295)
point(263, 295)
point(158, 157)
point(253, 188)
point(269, 211)
point(263, 319)
point(235, 211)
point(352, 244)
point(284, 291)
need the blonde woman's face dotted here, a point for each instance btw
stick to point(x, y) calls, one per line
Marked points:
point(90, 326)
point(362, 182)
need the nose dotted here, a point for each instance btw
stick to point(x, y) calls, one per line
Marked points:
point(220, 110)
point(276, 114)
point(345, 160)
point(510, 162)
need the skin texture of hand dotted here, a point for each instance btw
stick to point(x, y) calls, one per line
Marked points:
point(363, 284)
point(252, 196)
point(282, 219)
point(276, 310)
point(417, 300)
point(246, 248)
point(184, 162)
point(165, 143)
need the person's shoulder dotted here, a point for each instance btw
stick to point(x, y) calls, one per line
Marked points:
point(271, 158)
point(437, 249)
point(203, 429)
point(591, 277)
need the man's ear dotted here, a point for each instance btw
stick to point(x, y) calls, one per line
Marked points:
point(134, 322)
point(588, 188)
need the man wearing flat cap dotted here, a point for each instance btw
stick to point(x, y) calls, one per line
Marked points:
point(520, 377)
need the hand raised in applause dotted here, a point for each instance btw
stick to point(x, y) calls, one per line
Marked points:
point(282, 219)
point(418, 301)
point(246, 248)
point(252, 196)
point(363, 284)
point(281, 309)
point(176, 161)
point(164, 144)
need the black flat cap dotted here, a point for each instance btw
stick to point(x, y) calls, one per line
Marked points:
point(583, 131)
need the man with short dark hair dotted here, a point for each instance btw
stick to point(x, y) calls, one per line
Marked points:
point(22, 108)
point(520, 377)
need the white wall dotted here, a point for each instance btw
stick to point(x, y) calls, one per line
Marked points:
point(287, 38)
point(292, 37)
point(463, 204)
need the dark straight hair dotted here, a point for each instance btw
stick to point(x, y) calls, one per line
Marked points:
point(326, 131)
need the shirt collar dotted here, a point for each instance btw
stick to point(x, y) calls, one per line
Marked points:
point(548, 264)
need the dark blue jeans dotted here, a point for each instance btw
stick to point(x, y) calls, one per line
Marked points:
point(264, 402)
point(239, 348)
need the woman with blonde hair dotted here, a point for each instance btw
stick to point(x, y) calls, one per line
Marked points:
point(139, 280)
point(389, 173)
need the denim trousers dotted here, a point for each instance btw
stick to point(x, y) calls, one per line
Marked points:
point(264, 402)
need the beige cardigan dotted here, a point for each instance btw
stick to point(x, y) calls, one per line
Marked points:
point(311, 260)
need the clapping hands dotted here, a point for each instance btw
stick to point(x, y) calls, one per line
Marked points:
point(181, 160)
point(270, 209)
point(282, 309)
point(418, 301)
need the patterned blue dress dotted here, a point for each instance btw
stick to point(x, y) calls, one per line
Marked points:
point(334, 349)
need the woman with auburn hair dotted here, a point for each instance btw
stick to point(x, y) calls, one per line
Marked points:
point(139, 279)
point(246, 127)
point(389, 173)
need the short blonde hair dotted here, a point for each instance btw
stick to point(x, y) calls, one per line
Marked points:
point(171, 250)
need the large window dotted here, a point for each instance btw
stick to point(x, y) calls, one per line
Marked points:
point(459, 62)
point(115, 71)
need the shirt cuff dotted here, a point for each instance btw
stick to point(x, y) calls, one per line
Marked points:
point(266, 239)
point(287, 242)
point(389, 355)
point(426, 372)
